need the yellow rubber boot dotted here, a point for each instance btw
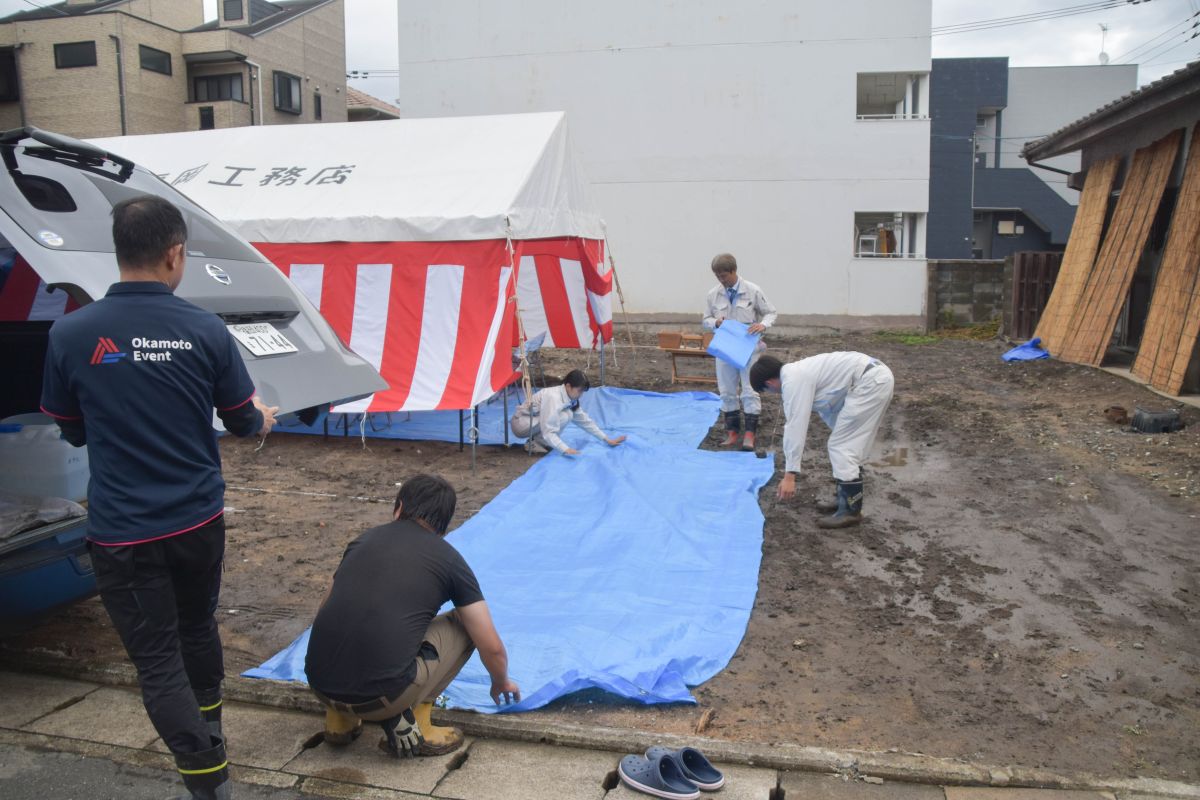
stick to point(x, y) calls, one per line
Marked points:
point(438, 740)
point(341, 729)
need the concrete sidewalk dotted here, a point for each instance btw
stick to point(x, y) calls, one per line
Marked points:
point(278, 748)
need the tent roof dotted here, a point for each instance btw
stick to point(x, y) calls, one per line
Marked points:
point(444, 179)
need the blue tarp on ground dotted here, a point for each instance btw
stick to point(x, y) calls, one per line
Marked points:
point(629, 569)
point(420, 426)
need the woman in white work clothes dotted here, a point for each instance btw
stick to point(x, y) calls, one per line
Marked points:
point(737, 299)
point(850, 392)
point(543, 418)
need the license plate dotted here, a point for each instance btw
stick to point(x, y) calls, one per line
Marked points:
point(262, 339)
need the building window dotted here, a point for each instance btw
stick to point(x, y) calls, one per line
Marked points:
point(892, 95)
point(287, 93)
point(8, 76)
point(207, 121)
point(217, 87)
point(75, 54)
point(316, 105)
point(154, 60)
point(233, 9)
point(887, 234)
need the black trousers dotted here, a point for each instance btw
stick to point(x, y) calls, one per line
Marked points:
point(161, 597)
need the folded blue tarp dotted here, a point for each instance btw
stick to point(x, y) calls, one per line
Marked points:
point(733, 343)
point(630, 569)
point(1030, 351)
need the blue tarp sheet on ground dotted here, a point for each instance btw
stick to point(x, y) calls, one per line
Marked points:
point(420, 426)
point(631, 569)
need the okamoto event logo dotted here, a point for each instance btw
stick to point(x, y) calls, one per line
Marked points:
point(106, 352)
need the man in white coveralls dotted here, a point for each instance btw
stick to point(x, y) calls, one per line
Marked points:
point(849, 391)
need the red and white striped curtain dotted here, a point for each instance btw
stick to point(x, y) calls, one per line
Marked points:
point(435, 318)
point(564, 289)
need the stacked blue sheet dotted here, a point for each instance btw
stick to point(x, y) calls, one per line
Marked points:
point(630, 569)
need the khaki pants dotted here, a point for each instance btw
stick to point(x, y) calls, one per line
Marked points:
point(454, 647)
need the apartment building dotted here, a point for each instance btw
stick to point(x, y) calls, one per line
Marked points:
point(95, 68)
point(794, 135)
point(985, 200)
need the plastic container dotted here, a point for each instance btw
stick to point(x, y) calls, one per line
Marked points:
point(1156, 420)
point(35, 459)
point(42, 570)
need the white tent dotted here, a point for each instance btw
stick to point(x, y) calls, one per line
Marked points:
point(418, 180)
point(399, 232)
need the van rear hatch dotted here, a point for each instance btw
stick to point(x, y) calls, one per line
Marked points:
point(57, 196)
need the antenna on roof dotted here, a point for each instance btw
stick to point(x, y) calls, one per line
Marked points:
point(1103, 36)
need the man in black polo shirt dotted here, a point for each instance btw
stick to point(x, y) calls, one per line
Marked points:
point(379, 651)
point(135, 376)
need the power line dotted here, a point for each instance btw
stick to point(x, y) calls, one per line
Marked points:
point(1156, 38)
point(1173, 63)
point(1165, 47)
point(1161, 63)
point(1041, 16)
point(1096, 4)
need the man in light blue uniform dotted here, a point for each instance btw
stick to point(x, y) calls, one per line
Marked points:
point(738, 299)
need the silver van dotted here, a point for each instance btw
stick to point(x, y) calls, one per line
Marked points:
point(56, 194)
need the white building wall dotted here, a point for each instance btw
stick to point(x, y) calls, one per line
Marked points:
point(1043, 99)
point(706, 126)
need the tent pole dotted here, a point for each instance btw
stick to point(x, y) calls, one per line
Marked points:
point(526, 379)
point(474, 434)
point(620, 297)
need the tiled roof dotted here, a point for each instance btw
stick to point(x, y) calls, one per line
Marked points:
point(356, 99)
point(288, 10)
point(1042, 147)
point(59, 10)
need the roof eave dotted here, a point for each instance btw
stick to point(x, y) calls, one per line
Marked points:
point(1075, 137)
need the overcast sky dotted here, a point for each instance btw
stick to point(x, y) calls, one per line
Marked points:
point(371, 35)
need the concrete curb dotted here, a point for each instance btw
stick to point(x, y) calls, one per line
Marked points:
point(895, 766)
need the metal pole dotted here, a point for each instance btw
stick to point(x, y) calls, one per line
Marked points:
point(460, 430)
point(474, 434)
point(601, 360)
point(504, 421)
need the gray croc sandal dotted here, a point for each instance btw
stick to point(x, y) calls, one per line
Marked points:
point(695, 767)
point(661, 777)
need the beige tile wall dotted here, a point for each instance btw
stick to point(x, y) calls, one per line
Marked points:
point(85, 101)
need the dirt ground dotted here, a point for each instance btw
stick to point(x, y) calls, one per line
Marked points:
point(1025, 590)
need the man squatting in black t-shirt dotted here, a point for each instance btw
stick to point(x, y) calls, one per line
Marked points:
point(379, 651)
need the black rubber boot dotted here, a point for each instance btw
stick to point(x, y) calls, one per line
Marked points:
point(751, 431)
point(206, 774)
point(850, 503)
point(210, 709)
point(733, 428)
